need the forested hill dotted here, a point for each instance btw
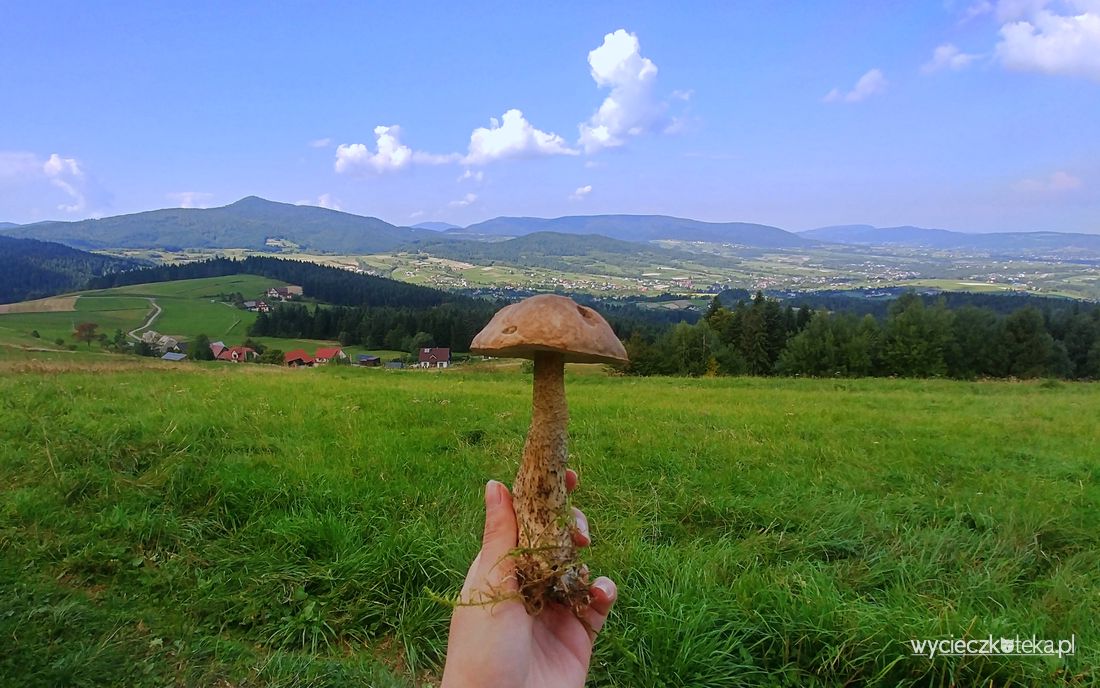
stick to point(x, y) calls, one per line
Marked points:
point(31, 269)
point(248, 223)
point(328, 284)
point(641, 228)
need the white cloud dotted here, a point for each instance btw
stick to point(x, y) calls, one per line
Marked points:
point(684, 95)
point(320, 143)
point(868, 85)
point(189, 199)
point(416, 214)
point(1057, 182)
point(389, 154)
point(478, 176)
point(468, 199)
point(581, 193)
point(512, 136)
point(948, 56)
point(327, 201)
point(67, 175)
point(1052, 43)
point(631, 108)
point(592, 164)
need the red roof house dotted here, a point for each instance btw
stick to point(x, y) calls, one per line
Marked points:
point(435, 357)
point(297, 358)
point(237, 354)
point(327, 354)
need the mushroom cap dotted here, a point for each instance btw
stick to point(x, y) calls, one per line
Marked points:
point(553, 323)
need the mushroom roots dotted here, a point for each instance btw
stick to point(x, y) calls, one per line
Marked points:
point(546, 565)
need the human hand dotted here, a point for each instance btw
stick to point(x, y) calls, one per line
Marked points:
point(493, 641)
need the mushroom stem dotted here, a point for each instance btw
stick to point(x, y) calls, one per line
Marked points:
point(545, 569)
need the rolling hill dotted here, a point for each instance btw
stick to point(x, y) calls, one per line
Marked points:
point(30, 269)
point(1014, 243)
point(8, 225)
point(641, 228)
point(436, 226)
point(249, 223)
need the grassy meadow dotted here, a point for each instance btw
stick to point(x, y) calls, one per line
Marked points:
point(254, 526)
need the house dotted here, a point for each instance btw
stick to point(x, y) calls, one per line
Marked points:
point(325, 355)
point(257, 306)
point(298, 358)
point(217, 348)
point(238, 354)
point(171, 356)
point(284, 293)
point(395, 365)
point(161, 342)
point(434, 357)
point(369, 361)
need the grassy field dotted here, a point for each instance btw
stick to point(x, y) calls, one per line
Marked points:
point(189, 308)
point(253, 526)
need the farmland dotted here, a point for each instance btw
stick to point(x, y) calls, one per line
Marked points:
point(762, 532)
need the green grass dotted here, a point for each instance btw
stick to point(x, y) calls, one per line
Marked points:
point(124, 313)
point(243, 525)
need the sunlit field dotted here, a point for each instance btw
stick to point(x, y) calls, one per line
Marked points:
point(247, 525)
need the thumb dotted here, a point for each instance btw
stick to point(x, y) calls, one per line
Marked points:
point(501, 532)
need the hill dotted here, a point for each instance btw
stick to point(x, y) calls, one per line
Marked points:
point(436, 226)
point(1014, 243)
point(641, 228)
point(31, 269)
point(7, 225)
point(249, 223)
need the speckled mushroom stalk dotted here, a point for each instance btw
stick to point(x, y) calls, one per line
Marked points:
point(547, 561)
point(552, 330)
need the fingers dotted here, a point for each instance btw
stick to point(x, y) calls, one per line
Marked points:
point(604, 594)
point(581, 536)
point(501, 532)
point(571, 480)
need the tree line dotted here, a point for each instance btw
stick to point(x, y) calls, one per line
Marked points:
point(762, 337)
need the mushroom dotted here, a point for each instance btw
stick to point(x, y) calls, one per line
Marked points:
point(551, 330)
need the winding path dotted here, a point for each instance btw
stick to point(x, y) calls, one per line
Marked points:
point(132, 334)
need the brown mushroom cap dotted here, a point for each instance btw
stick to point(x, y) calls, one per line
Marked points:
point(550, 323)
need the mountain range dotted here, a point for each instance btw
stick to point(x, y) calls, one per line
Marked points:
point(1016, 243)
point(255, 223)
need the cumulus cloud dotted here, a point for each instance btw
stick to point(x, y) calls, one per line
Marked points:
point(947, 56)
point(631, 108)
point(478, 176)
point(512, 136)
point(320, 143)
point(389, 154)
point(581, 193)
point(33, 175)
point(327, 201)
point(189, 199)
point(1053, 43)
point(416, 214)
point(868, 85)
point(467, 200)
point(1057, 182)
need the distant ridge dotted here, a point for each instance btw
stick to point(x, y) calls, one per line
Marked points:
point(436, 226)
point(7, 225)
point(921, 237)
point(641, 228)
point(248, 223)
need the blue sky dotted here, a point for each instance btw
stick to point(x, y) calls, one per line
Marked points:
point(971, 115)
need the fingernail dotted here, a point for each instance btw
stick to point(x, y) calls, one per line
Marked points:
point(606, 586)
point(492, 493)
point(582, 523)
